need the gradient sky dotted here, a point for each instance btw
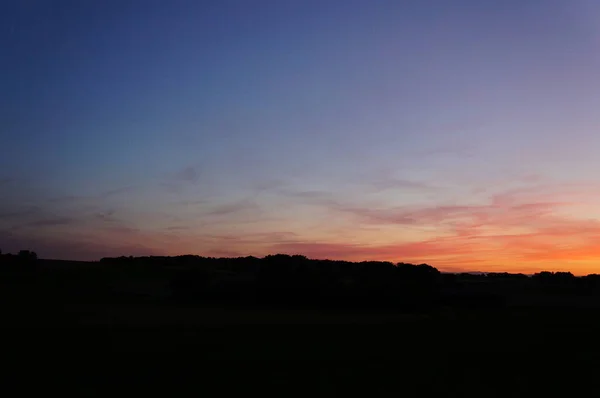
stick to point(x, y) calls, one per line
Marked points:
point(464, 134)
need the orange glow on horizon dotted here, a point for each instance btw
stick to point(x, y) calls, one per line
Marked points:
point(508, 234)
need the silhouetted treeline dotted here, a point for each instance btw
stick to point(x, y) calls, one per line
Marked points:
point(24, 257)
point(284, 280)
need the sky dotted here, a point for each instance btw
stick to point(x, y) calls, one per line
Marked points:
point(463, 134)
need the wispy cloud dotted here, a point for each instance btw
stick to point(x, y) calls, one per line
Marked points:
point(272, 237)
point(516, 253)
point(314, 195)
point(505, 209)
point(20, 213)
point(121, 229)
point(177, 228)
point(66, 199)
point(311, 197)
point(384, 179)
point(196, 202)
point(182, 179)
point(379, 216)
point(268, 185)
point(171, 186)
point(52, 222)
point(382, 184)
point(516, 230)
point(91, 200)
point(531, 226)
point(189, 174)
point(244, 205)
point(116, 191)
point(107, 216)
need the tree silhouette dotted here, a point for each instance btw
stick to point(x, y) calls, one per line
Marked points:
point(27, 255)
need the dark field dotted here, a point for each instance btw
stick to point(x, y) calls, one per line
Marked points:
point(113, 343)
point(223, 351)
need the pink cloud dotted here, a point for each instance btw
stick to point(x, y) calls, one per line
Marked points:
point(520, 230)
point(512, 232)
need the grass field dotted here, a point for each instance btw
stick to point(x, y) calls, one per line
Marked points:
point(233, 351)
point(142, 331)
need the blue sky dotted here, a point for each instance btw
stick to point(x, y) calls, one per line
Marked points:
point(321, 127)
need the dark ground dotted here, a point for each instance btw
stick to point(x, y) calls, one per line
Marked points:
point(134, 346)
point(229, 352)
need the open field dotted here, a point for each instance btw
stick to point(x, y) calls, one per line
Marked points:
point(227, 328)
point(222, 351)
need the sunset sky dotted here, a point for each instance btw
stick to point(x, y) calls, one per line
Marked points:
point(463, 134)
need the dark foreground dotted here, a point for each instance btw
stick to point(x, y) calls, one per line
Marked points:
point(226, 352)
point(62, 340)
